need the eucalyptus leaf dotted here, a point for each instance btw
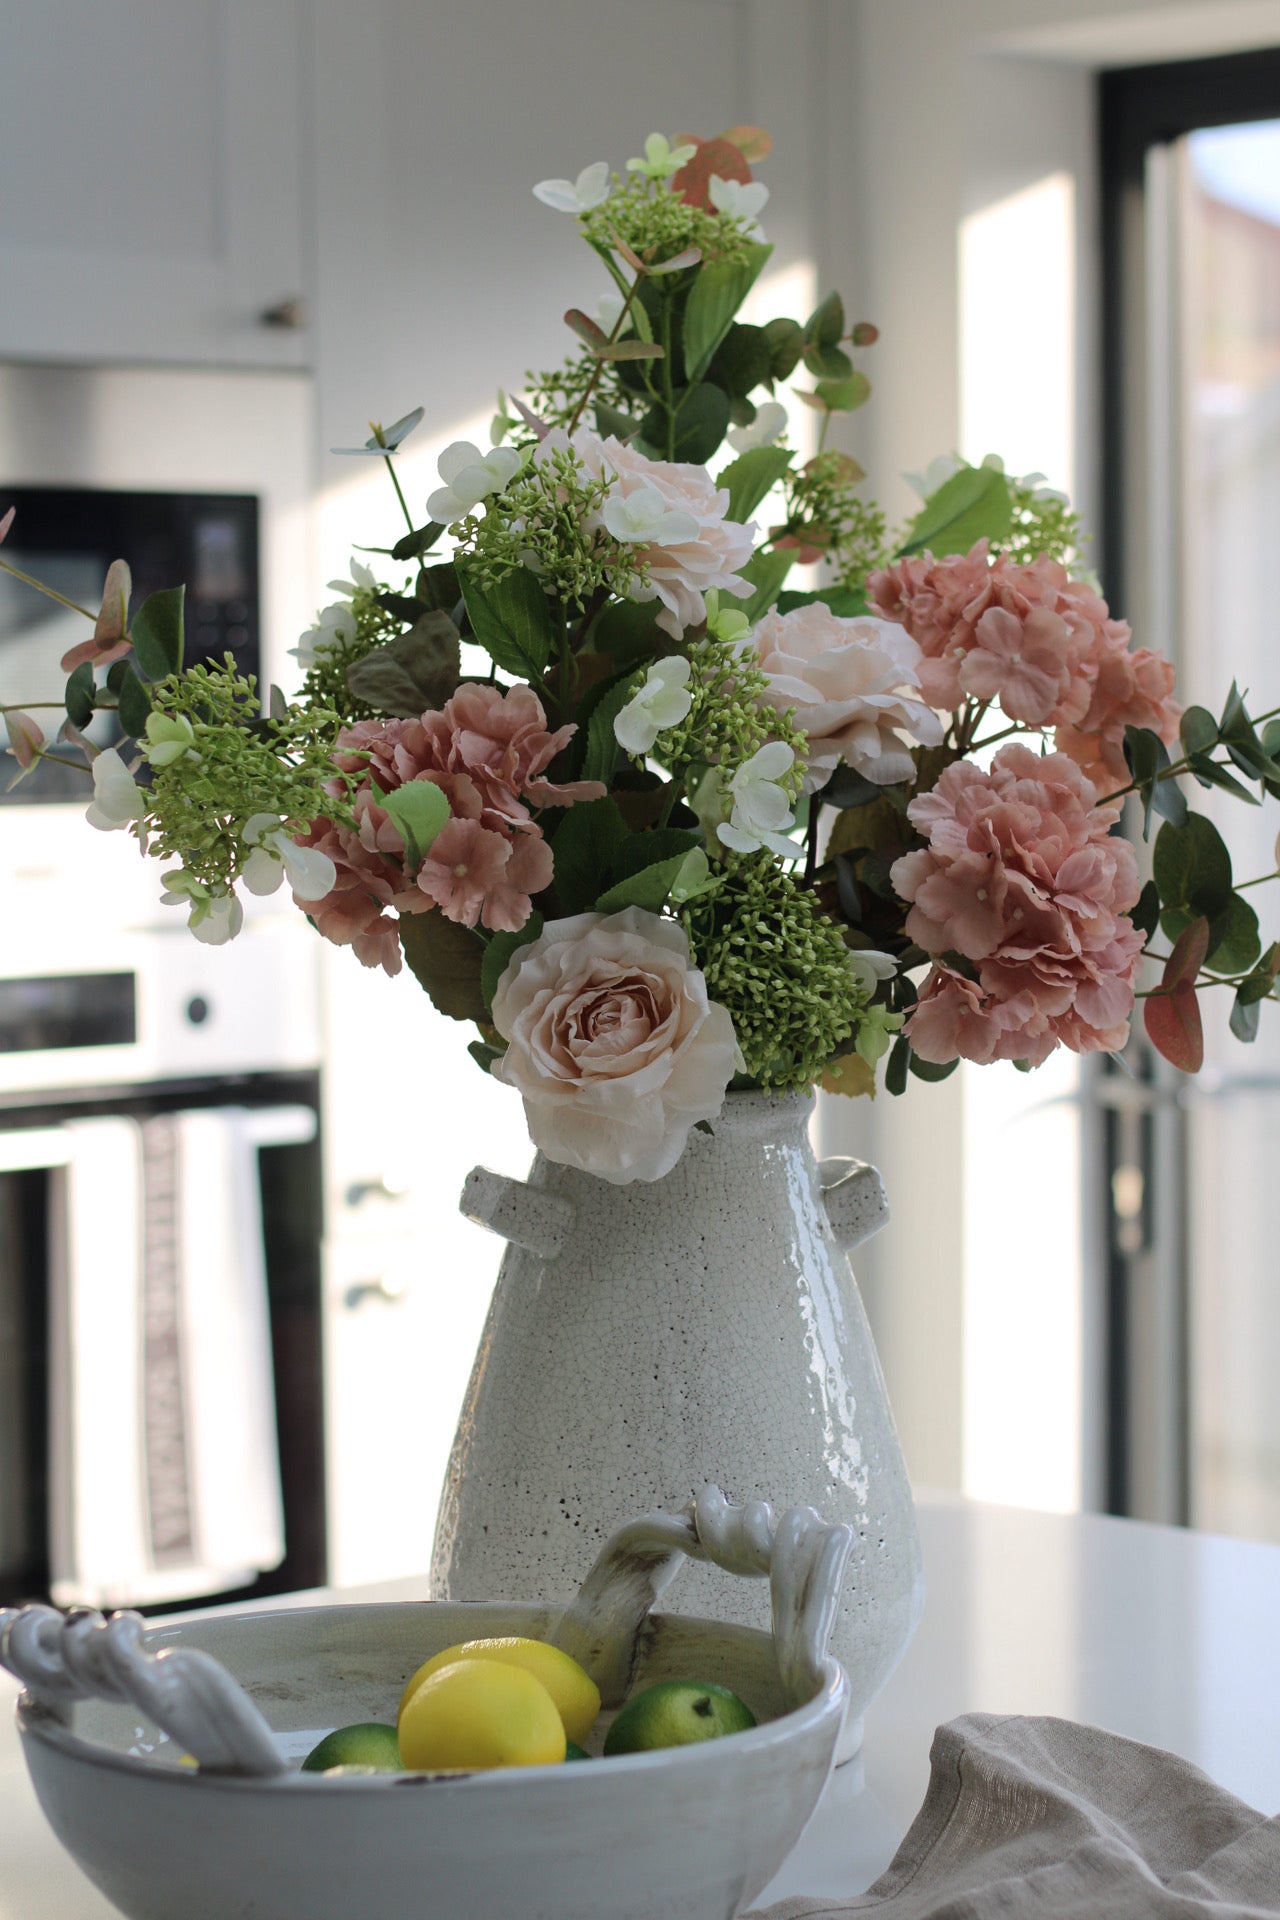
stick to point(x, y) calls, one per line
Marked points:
point(1210, 774)
point(511, 619)
point(828, 363)
point(157, 634)
point(895, 1073)
point(973, 504)
point(412, 674)
point(1238, 944)
point(413, 545)
point(445, 959)
point(1192, 867)
point(786, 344)
point(1198, 731)
point(844, 396)
point(750, 477)
point(134, 705)
point(79, 696)
point(931, 1070)
point(1146, 915)
point(1246, 1017)
point(825, 325)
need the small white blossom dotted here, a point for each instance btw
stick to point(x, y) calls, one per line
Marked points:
point(275, 857)
point(935, 475)
point(661, 159)
point(591, 189)
point(759, 806)
point(643, 516)
point(469, 477)
point(335, 627)
point(118, 800)
point(169, 738)
point(361, 577)
point(214, 918)
point(741, 199)
point(663, 701)
point(868, 967)
point(770, 421)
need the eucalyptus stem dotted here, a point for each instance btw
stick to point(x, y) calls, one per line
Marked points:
point(404, 504)
point(28, 580)
point(618, 325)
point(668, 387)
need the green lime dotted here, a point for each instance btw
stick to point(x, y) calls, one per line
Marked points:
point(573, 1752)
point(367, 1744)
point(677, 1713)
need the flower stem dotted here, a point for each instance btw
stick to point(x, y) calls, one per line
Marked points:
point(618, 325)
point(811, 842)
point(404, 504)
point(40, 587)
point(669, 799)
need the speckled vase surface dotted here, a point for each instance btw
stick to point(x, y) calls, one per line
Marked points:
point(645, 1340)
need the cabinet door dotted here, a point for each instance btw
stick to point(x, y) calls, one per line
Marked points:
point(150, 154)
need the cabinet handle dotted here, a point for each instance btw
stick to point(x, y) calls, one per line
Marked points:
point(289, 315)
point(390, 1291)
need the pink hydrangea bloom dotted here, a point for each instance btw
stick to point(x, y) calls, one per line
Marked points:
point(353, 914)
point(1023, 879)
point(1131, 690)
point(705, 552)
point(474, 875)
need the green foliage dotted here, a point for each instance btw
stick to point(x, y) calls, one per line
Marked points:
point(586, 842)
point(730, 718)
point(660, 225)
point(133, 704)
point(419, 809)
point(972, 505)
point(417, 671)
point(701, 416)
point(510, 618)
point(543, 535)
point(497, 955)
point(157, 634)
point(825, 509)
point(80, 695)
point(765, 570)
point(1148, 759)
point(445, 959)
point(750, 477)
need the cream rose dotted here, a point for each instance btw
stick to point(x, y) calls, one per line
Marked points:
point(612, 1043)
point(850, 683)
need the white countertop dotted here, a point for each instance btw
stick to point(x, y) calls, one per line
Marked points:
point(1166, 1636)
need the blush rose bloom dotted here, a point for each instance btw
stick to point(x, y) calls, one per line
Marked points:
point(612, 1043)
point(1024, 879)
point(850, 683)
point(707, 551)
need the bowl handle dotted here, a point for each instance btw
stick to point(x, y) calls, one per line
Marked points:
point(187, 1694)
point(802, 1556)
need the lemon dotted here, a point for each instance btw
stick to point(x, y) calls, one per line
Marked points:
point(575, 1693)
point(677, 1713)
point(367, 1744)
point(480, 1713)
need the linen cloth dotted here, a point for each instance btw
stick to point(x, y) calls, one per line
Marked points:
point(1041, 1819)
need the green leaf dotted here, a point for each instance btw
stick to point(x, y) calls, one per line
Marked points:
point(931, 1069)
point(630, 349)
point(895, 1074)
point(786, 343)
point(1271, 739)
point(628, 629)
point(445, 959)
point(437, 588)
point(1146, 915)
point(484, 1054)
point(612, 420)
point(419, 809)
point(1237, 944)
point(650, 888)
point(602, 747)
point(750, 477)
point(701, 416)
point(79, 696)
point(1148, 757)
point(972, 505)
point(1198, 731)
point(717, 293)
point(1209, 774)
point(845, 396)
point(497, 955)
point(413, 545)
point(1246, 1016)
point(766, 570)
point(828, 363)
point(585, 844)
point(134, 705)
point(1192, 867)
point(157, 634)
point(825, 325)
point(845, 602)
point(412, 674)
point(742, 360)
point(511, 619)
point(641, 850)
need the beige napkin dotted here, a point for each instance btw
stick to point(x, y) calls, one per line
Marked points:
point(1037, 1819)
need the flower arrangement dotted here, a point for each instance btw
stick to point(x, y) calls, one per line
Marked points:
point(685, 828)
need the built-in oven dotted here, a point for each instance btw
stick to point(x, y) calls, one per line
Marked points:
point(161, 1199)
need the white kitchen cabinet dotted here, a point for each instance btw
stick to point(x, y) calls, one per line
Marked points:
point(152, 156)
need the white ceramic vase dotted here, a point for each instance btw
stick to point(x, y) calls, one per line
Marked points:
point(646, 1340)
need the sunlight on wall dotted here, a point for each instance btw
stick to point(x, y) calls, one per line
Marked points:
point(1023, 1263)
point(1017, 330)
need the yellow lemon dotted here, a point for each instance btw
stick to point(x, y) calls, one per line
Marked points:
point(575, 1693)
point(480, 1713)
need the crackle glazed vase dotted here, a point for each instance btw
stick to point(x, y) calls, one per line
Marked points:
point(647, 1340)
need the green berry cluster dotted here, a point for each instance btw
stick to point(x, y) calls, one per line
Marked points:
point(548, 520)
point(325, 689)
point(824, 507)
point(730, 718)
point(1043, 525)
point(658, 224)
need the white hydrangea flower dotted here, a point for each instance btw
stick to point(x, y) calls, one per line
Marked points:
point(759, 807)
point(335, 627)
point(869, 966)
point(663, 701)
point(169, 738)
point(591, 189)
point(770, 421)
point(642, 515)
point(361, 577)
point(743, 200)
point(118, 801)
point(469, 477)
point(275, 857)
point(214, 918)
point(661, 159)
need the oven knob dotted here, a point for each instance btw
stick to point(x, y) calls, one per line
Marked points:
point(197, 1010)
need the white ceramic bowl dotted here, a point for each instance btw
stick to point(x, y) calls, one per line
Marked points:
point(689, 1833)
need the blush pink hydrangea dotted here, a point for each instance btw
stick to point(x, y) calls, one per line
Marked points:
point(487, 750)
point(1041, 645)
point(1024, 880)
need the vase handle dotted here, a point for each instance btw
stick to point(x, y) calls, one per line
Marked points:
point(526, 1216)
point(802, 1556)
point(854, 1197)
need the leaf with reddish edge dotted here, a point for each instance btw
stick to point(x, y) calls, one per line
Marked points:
point(586, 328)
point(629, 254)
point(678, 261)
point(6, 521)
point(753, 143)
point(720, 156)
point(1172, 1015)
